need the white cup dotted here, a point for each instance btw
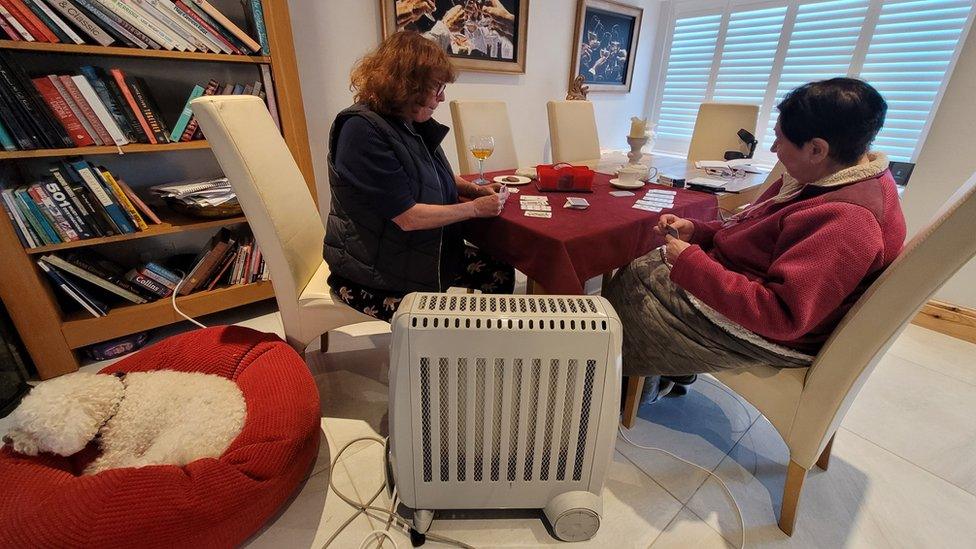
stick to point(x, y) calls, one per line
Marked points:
point(628, 175)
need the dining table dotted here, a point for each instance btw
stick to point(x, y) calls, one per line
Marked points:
point(559, 254)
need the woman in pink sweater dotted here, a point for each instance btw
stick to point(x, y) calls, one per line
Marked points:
point(770, 284)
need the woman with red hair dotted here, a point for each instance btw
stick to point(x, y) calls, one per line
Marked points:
point(394, 226)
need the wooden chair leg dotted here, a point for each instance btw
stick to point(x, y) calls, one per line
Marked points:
point(795, 476)
point(635, 384)
point(324, 342)
point(824, 459)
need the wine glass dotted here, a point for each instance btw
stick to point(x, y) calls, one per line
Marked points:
point(481, 146)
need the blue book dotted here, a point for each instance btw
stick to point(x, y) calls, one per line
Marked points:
point(163, 272)
point(37, 219)
point(92, 305)
point(6, 140)
point(98, 187)
point(185, 116)
point(257, 13)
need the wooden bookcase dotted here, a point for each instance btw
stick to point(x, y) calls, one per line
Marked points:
point(52, 336)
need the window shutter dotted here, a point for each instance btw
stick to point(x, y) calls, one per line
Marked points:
point(748, 55)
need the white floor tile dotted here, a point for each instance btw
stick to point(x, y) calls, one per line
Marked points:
point(868, 498)
point(953, 357)
point(921, 415)
point(700, 427)
point(687, 530)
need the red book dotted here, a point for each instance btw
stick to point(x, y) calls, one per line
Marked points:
point(11, 33)
point(137, 202)
point(133, 106)
point(29, 20)
point(79, 99)
point(63, 112)
point(185, 9)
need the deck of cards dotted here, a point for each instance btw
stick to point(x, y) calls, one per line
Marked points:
point(656, 200)
point(535, 206)
point(576, 203)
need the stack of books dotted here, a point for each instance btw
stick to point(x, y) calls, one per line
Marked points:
point(95, 282)
point(75, 201)
point(95, 108)
point(176, 25)
point(201, 194)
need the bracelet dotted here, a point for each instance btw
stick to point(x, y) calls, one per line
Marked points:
point(663, 250)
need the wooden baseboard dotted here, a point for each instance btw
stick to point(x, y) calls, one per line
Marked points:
point(949, 319)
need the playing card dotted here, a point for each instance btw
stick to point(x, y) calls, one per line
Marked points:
point(621, 193)
point(533, 198)
point(533, 213)
point(536, 207)
point(656, 203)
point(660, 191)
point(513, 190)
point(646, 207)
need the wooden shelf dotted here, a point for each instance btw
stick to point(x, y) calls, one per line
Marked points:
point(172, 223)
point(85, 49)
point(84, 329)
point(95, 151)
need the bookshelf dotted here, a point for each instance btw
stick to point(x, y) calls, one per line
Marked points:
point(52, 336)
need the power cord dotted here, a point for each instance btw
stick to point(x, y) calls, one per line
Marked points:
point(392, 515)
point(172, 297)
point(738, 511)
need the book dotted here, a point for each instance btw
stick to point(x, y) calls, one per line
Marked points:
point(137, 20)
point(220, 18)
point(191, 127)
point(94, 183)
point(21, 137)
point(118, 27)
point(74, 108)
point(132, 122)
point(11, 27)
point(98, 83)
point(228, 260)
point(47, 26)
point(97, 213)
point(138, 202)
point(88, 92)
point(255, 16)
point(185, 116)
point(66, 115)
point(54, 215)
point(82, 22)
point(100, 133)
point(213, 26)
point(207, 261)
point(98, 271)
point(198, 30)
point(130, 100)
point(158, 278)
point(146, 106)
point(17, 219)
point(138, 278)
point(122, 199)
point(33, 113)
point(161, 24)
point(40, 224)
point(6, 140)
point(90, 304)
point(61, 200)
point(268, 81)
point(175, 23)
point(60, 22)
point(79, 198)
point(29, 21)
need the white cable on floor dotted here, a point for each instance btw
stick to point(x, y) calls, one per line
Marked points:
point(738, 512)
point(367, 507)
point(173, 300)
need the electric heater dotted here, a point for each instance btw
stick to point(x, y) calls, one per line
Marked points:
point(504, 402)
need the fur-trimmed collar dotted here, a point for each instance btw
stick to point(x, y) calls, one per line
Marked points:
point(877, 163)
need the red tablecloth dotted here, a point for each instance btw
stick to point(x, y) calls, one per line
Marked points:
point(563, 252)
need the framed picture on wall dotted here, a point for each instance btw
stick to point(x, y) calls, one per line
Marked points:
point(478, 35)
point(605, 44)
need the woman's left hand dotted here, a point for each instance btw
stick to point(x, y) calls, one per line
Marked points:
point(674, 248)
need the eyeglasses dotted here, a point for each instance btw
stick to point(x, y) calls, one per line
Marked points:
point(439, 91)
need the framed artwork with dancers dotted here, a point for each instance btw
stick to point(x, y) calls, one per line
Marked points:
point(478, 35)
point(605, 44)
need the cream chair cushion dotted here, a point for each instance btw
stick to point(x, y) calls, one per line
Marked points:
point(572, 130)
point(475, 117)
point(716, 129)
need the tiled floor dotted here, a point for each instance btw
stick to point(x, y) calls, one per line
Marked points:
point(903, 472)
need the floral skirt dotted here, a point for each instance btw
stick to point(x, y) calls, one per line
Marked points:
point(480, 272)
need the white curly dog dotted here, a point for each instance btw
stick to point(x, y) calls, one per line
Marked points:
point(142, 418)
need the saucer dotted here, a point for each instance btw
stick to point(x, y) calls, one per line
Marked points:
point(521, 180)
point(621, 185)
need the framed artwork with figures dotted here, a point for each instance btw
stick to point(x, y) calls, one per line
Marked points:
point(605, 44)
point(478, 35)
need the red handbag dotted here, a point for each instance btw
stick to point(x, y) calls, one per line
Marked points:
point(565, 178)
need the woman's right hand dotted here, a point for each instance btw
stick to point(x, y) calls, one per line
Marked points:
point(684, 227)
point(488, 206)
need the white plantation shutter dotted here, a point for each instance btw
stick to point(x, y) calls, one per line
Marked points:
point(910, 52)
point(756, 53)
point(689, 66)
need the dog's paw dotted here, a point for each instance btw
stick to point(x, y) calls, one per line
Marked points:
point(21, 442)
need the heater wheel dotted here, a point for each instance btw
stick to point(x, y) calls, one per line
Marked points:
point(574, 516)
point(422, 519)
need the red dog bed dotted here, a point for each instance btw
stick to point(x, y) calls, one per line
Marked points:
point(210, 502)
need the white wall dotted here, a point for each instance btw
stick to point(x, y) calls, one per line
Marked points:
point(330, 35)
point(947, 160)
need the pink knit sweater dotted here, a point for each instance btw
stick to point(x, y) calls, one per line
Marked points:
point(791, 271)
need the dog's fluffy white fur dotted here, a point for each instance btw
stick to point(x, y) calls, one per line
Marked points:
point(143, 418)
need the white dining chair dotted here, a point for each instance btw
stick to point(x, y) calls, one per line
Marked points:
point(573, 133)
point(716, 130)
point(807, 405)
point(280, 210)
point(476, 117)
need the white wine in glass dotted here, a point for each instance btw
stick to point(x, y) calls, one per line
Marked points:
point(481, 147)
